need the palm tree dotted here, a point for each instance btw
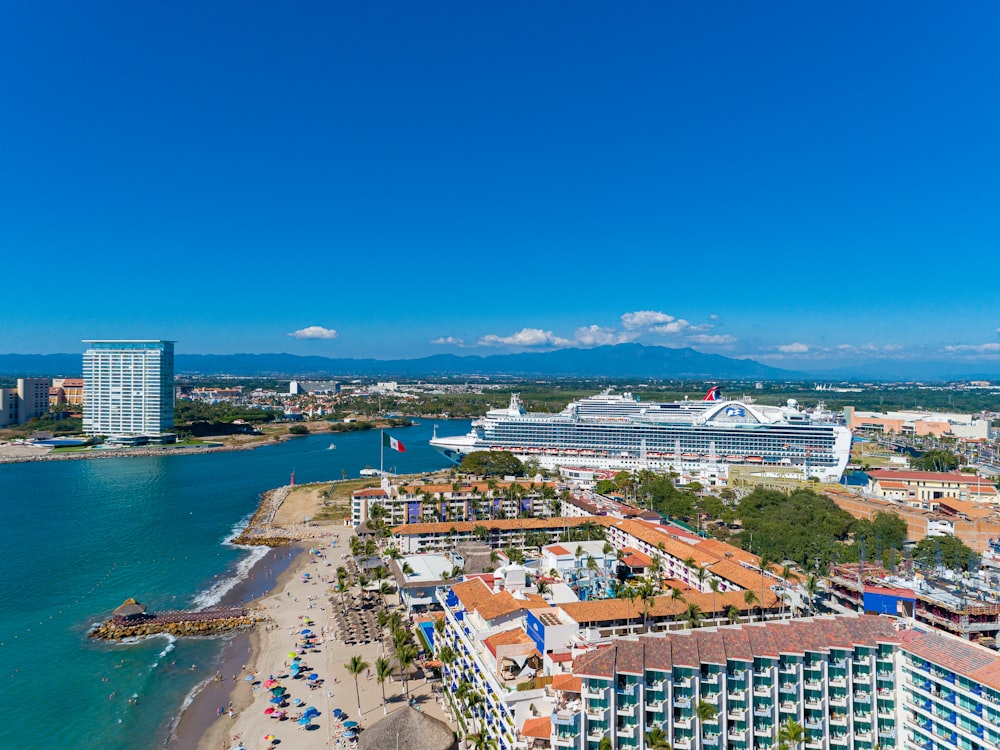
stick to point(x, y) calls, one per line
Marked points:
point(749, 598)
point(791, 734)
point(406, 655)
point(356, 665)
point(676, 596)
point(733, 614)
point(701, 574)
point(705, 711)
point(812, 589)
point(765, 565)
point(473, 700)
point(383, 670)
point(543, 588)
point(342, 576)
point(714, 586)
point(646, 592)
point(605, 744)
point(694, 615)
point(656, 739)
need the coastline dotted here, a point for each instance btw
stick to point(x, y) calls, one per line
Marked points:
point(302, 596)
point(199, 717)
point(135, 452)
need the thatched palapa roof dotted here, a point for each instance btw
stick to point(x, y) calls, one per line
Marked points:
point(129, 608)
point(414, 729)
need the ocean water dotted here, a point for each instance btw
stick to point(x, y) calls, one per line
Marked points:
point(79, 537)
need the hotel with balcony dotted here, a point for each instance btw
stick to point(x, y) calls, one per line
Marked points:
point(462, 501)
point(852, 682)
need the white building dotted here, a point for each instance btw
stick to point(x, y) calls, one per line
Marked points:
point(129, 388)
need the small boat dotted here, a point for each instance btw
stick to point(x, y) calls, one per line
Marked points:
point(331, 447)
point(734, 459)
point(689, 456)
point(755, 459)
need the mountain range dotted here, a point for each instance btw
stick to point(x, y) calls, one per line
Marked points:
point(621, 361)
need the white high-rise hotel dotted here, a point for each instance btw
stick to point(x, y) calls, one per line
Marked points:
point(129, 387)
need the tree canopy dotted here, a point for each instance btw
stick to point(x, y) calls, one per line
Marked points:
point(945, 550)
point(491, 463)
point(937, 459)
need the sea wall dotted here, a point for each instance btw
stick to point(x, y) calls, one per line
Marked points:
point(200, 623)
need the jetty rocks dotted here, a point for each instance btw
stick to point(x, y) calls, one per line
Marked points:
point(131, 620)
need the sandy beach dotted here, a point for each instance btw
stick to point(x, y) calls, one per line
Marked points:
point(301, 601)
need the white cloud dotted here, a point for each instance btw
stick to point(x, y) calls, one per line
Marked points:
point(713, 317)
point(718, 339)
point(980, 348)
point(602, 336)
point(795, 348)
point(314, 332)
point(644, 318)
point(526, 337)
point(676, 326)
point(449, 340)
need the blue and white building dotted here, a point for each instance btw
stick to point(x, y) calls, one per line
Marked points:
point(128, 388)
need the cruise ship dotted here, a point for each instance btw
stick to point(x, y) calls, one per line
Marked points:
point(690, 437)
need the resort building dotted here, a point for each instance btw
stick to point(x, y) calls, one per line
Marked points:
point(460, 501)
point(129, 389)
point(922, 488)
point(851, 682)
point(29, 400)
point(66, 391)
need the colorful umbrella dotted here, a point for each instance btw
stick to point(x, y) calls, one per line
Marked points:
point(269, 738)
point(349, 724)
point(270, 683)
point(291, 654)
point(269, 710)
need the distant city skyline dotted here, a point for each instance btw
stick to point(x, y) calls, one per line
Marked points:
point(808, 187)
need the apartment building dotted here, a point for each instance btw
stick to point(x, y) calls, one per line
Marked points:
point(860, 682)
point(29, 400)
point(461, 501)
point(129, 388)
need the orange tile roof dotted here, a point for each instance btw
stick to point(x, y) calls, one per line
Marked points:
point(502, 604)
point(540, 728)
point(567, 682)
point(887, 485)
point(508, 638)
point(472, 593)
point(923, 476)
point(613, 610)
point(636, 559)
point(556, 549)
point(412, 529)
point(467, 487)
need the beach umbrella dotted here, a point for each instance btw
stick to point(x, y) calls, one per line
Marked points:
point(304, 722)
point(313, 677)
point(269, 710)
point(270, 683)
point(349, 734)
point(350, 724)
point(249, 678)
point(277, 700)
point(306, 632)
point(277, 691)
point(311, 711)
point(338, 713)
point(291, 654)
point(269, 738)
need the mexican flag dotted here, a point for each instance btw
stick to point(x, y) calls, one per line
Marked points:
point(391, 442)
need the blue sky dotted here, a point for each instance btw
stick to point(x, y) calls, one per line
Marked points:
point(799, 183)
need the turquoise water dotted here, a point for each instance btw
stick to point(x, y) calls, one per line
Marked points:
point(81, 536)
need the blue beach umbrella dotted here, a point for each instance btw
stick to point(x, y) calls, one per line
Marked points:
point(304, 722)
point(310, 712)
point(349, 733)
point(313, 677)
point(277, 700)
point(306, 632)
point(349, 724)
